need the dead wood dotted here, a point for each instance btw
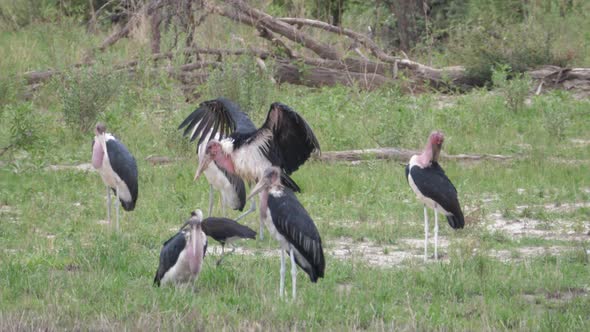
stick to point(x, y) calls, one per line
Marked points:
point(397, 154)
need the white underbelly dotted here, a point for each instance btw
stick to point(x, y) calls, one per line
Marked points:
point(250, 163)
point(111, 179)
point(180, 272)
point(274, 232)
point(217, 179)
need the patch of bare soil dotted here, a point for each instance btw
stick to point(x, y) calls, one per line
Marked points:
point(557, 229)
point(522, 253)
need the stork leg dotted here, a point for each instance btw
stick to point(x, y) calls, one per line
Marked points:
point(435, 232)
point(250, 210)
point(117, 207)
point(293, 274)
point(425, 233)
point(109, 204)
point(282, 284)
point(211, 193)
point(222, 254)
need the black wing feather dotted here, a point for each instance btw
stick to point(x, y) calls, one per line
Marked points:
point(221, 229)
point(169, 255)
point(222, 115)
point(123, 163)
point(293, 140)
point(294, 223)
point(434, 184)
point(238, 184)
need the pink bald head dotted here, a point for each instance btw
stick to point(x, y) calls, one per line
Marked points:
point(432, 149)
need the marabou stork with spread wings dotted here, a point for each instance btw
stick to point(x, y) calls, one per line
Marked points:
point(234, 144)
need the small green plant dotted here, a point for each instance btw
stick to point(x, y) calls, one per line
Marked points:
point(244, 82)
point(556, 117)
point(514, 90)
point(24, 130)
point(85, 93)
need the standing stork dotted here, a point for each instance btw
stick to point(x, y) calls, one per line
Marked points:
point(224, 230)
point(232, 141)
point(290, 224)
point(118, 169)
point(433, 188)
point(181, 257)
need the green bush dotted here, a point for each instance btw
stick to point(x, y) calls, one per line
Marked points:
point(514, 90)
point(556, 118)
point(24, 128)
point(244, 82)
point(519, 46)
point(85, 93)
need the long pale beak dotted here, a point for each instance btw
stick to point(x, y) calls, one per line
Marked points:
point(258, 188)
point(203, 164)
point(194, 238)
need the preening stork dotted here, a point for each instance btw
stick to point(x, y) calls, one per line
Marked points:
point(433, 188)
point(232, 141)
point(118, 169)
point(224, 230)
point(182, 255)
point(290, 224)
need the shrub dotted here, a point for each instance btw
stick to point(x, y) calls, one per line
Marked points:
point(85, 93)
point(24, 128)
point(243, 82)
point(556, 118)
point(520, 46)
point(514, 90)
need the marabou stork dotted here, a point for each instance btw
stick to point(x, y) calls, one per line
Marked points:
point(181, 257)
point(224, 230)
point(232, 141)
point(289, 223)
point(433, 188)
point(117, 167)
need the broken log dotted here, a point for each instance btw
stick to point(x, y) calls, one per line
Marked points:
point(401, 155)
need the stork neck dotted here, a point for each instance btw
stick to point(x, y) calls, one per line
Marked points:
point(429, 155)
point(263, 204)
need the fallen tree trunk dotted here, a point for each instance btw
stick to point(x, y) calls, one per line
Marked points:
point(397, 154)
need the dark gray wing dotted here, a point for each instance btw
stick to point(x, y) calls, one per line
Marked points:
point(222, 229)
point(123, 163)
point(237, 184)
point(169, 255)
point(434, 184)
point(292, 140)
point(214, 117)
point(294, 223)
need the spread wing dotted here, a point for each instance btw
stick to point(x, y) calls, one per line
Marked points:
point(286, 138)
point(216, 118)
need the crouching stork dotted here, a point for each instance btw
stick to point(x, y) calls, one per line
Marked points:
point(118, 169)
point(433, 188)
point(182, 255)
point(290, 224)
point(232, 141)
point(224, 230)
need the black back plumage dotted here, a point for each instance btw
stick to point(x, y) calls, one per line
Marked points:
point(222, 229)
point(434, 184)
point(238, 184)
point(294, 223)
point(123, 163)
point(169, 254)
point(292, 142)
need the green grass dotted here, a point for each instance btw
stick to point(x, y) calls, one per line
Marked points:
point(61, 269)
